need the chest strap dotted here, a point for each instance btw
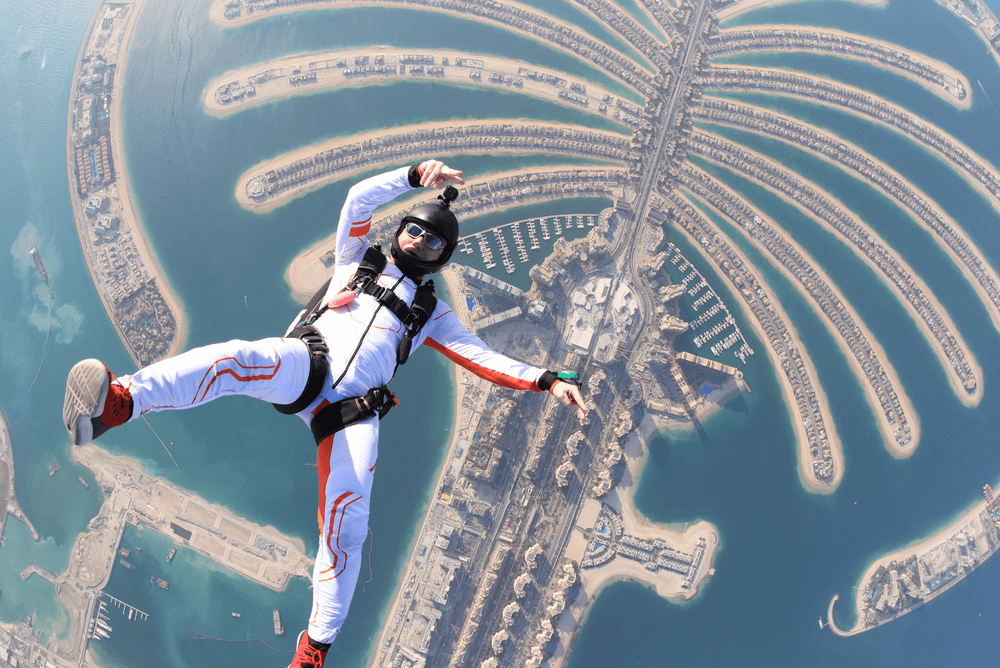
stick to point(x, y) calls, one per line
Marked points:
point(341, 414)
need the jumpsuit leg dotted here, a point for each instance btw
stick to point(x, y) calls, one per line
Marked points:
point(346, 466)
point(273, 369)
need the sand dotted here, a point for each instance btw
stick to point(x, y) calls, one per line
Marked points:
point(120, 190)
point(744, 6)
point(806, 475)
point(988, 304)
point(951, 75)
point(918, 548)
point(956, 383)
point(332, 78)
point(291, 194)
point(218, 16)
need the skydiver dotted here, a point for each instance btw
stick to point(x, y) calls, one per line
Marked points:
point(331, 369)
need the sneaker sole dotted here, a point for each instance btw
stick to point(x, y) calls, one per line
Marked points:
point(86, 391)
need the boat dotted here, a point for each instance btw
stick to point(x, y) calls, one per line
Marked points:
point(279, 630)
point(236, 615)
point(170, 555)
point(162, 584)
point(53, 469)
point(24, 54)
point(44, 275)
point(83, 482)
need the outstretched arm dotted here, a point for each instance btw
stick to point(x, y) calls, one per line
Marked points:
point(449, 337)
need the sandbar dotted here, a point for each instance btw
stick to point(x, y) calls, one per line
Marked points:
point(806, 475)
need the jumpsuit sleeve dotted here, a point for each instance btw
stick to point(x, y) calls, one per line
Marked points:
point(448, 336)
point(362, 199)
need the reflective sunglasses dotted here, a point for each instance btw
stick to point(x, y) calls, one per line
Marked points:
point(431, 240)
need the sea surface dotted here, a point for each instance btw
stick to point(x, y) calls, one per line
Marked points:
point(784, 553)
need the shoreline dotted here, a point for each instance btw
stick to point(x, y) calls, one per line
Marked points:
point(332, 78)
point(946, 69)
point(917, 547)
point(964, 397)
point(809, 481)
point(621, 498)
point(217, 15)
point(888, 438)
point(119, 190)
point(957, 229)
point(744, 6)
point(303, 152)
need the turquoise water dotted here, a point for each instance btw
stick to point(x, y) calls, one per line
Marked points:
point(784, 552)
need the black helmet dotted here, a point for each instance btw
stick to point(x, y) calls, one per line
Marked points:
point(437, 218)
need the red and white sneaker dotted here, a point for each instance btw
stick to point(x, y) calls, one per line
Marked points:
point(95, 401)
point(308, 655)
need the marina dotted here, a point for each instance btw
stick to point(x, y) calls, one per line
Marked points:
point(517, 230)
point(727, 327)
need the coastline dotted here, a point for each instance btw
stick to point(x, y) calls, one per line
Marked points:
point(332, 78)
point(946, 69)
point(806, 477)
point(308, 151)
point(120, 191)
point(917, 547)
point(217, 14)
point(888, 438)
point(593, 580)
point(744, 6)
point(957, 230)
point(955, 382)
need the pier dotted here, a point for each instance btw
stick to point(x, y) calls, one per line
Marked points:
point(130, 611)
point(517, 228)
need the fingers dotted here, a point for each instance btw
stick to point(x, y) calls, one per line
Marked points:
point(435, 174)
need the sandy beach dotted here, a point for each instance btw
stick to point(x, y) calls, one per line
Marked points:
point(217, 14)
point(953, 77)
point(806, 475)
point(888, 438)
point(918, 548)
point(973, 156)
point(682, 538)
point(744, 6)
point(331, 78)
point(956, 383)
point(957, 230)
point(119, 191)
point(291, 194)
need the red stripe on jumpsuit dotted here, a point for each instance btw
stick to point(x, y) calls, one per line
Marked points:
point(491, 375)
point(242, 379)
point(336, 512)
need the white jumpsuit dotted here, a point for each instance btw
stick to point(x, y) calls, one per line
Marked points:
point(276, 370)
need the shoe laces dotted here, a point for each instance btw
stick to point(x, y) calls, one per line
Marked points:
point(117, 407)
point(308, 656)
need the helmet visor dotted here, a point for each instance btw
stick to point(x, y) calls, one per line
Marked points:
point(431, 240)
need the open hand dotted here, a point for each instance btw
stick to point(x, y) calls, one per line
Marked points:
point(434, 174)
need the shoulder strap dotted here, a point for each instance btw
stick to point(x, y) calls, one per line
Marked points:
point(424, 303)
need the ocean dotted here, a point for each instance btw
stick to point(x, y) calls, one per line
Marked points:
point(784, 553)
